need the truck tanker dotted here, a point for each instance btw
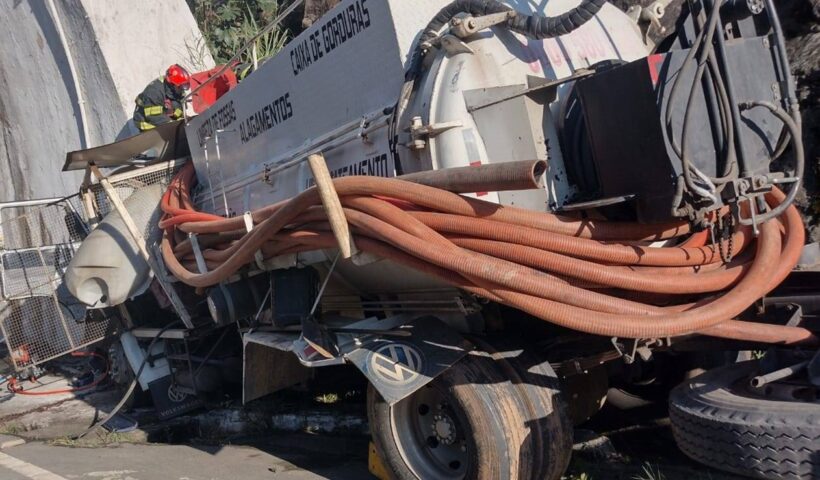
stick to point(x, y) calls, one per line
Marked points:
point(493, 213)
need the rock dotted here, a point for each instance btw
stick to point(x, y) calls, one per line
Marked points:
point(315, 9)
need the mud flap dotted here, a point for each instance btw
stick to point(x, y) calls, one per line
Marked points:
point(397, 367)
point(169, 400)
point(267, 369)
point(401, 355)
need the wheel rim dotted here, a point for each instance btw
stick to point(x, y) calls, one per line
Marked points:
point(429, 435)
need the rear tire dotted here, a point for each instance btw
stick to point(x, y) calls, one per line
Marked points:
point(536, 388)
point(492, 430)
point(717, 423)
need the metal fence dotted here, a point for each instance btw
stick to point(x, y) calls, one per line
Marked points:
point(126, 184)
point(39, 319)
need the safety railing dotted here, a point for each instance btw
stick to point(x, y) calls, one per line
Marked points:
point(39, 319)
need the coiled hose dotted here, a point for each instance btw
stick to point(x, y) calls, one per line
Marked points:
point(577, 273)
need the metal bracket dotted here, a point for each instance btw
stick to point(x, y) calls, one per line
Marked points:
point(260, 260)
point(419, 132)
point(750, 189)
point(200, 260)
point(638, 348)
point(535, 86)
point(289, 260)
point(796, 316)
point(648, 18)
point(463, 24)
point(364, 124)
point(365, 258)
point(454, 46)
point(266, 175)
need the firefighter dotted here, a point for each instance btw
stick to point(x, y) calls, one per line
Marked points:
point(162, 100)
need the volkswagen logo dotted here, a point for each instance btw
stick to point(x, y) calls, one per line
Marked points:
point(175, 395)
point(396, 363)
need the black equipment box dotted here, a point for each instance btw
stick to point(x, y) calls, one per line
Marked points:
point(624, 110)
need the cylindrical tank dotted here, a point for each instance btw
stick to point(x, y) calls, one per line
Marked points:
point(494, 104)
point(498, 91)
point(488, 98)
point(108, 268)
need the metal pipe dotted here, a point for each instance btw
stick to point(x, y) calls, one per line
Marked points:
point(776, 375)
point(31, 203)
point(71, 68)
point(208, 175)
point(504, 176)
point(221, 177)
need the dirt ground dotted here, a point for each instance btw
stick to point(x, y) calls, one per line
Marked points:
point(801, 22)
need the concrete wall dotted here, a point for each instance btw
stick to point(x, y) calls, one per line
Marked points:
point(171, 32)
point(118, 46)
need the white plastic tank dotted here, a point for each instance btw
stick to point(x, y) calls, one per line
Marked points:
point(108, 269)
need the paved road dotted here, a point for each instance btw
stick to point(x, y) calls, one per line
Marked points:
point(38, 461)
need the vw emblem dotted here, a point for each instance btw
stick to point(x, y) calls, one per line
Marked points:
point(175, 395)
point(396, 363)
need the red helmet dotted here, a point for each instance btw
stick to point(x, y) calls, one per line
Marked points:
point(177, 76)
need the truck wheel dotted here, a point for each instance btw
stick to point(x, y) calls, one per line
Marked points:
point(465, 424)
point(537, 390)
point(718, 423)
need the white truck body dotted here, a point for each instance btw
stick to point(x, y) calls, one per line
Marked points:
point(330, 91)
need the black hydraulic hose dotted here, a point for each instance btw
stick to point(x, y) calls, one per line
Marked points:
point(730, 165)
point(799, 160)
point(133, 384)
point(673, 91)
point(702, 61)
point(714, 108)
point(476, 8)
point(720, 49)
point(780, 44)
point(538, 27)
point(533, 26)
point(785, 72)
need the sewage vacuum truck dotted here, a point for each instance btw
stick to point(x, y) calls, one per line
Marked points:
point(495, 216)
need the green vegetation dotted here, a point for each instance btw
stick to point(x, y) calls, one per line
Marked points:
point(227, 25)
point(99, 439)
point(11, 429)
point(578, 476)
point(650, 473)
point(327, 398)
